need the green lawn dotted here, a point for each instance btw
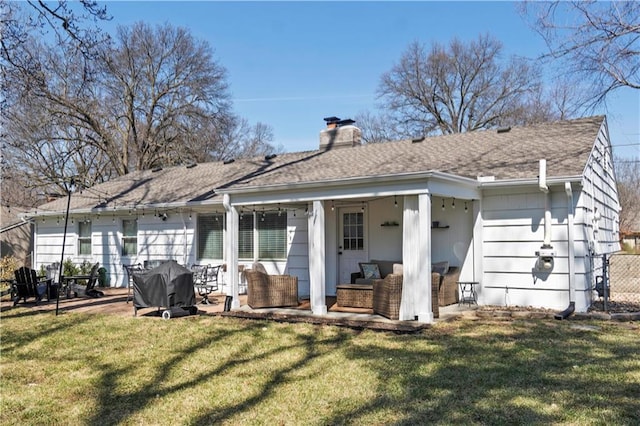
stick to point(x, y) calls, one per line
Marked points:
point(87, 369)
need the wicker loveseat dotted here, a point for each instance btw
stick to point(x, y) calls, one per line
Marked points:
point(385, 267)
point(270, 291)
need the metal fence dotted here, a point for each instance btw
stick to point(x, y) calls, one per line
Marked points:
point(624, 278)
point(617, 283)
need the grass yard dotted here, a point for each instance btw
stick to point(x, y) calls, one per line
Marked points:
point(89, 369)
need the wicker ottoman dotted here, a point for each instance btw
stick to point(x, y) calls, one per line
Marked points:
point(355, 295)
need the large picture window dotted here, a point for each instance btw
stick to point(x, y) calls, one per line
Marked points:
point(262, 236)
point(84, 237)
point(272, 235)
point(210, 236)
point(129, 237)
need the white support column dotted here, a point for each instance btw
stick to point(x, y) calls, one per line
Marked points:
point(416, 259)
point(423, 293)
point(231, 251)
point(410, 257)
point(478, 226)
point(317, 255)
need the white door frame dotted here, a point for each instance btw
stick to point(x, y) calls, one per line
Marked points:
point(348, 259)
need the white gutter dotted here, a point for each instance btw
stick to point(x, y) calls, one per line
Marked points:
point(560, 180)
point(123, 208)
point(351, 181)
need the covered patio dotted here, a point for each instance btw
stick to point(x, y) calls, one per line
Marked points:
point(114, 303)
point(412, 221)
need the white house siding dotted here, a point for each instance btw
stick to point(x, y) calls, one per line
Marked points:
point(513, 230)
point(451, 240)
point(599, 205)
point(298, 252)
point(48, 236)
point(384, 242)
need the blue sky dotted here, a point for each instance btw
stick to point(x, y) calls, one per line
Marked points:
point(290, 64)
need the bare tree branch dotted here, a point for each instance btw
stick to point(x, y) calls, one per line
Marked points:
point(598, 42)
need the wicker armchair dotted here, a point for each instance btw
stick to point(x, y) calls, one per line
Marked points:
point(271, 291)
point(387, 294)
point(448, 287)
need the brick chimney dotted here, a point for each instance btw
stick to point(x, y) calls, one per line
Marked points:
point(339, 134)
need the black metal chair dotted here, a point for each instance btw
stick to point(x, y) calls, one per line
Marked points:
point(28, 285)
point(205, 280)
point(131, 269)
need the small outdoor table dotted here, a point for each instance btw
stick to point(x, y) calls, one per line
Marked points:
point(70, 281)
point(468, 292)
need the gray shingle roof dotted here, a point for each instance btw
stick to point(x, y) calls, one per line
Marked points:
point(565, 145)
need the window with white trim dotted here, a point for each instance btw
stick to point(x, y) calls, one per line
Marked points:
point(245, 236)
point(84, 237)
point(272, 236)
point(262, 236)
point(210, 236)
point(129, 237)
point(353, 231)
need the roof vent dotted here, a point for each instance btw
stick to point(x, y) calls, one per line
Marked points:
point(229, 161)
point(270, 156)
point(156, 169)
point(503, 129)
point(191, 165)
point(416, 140)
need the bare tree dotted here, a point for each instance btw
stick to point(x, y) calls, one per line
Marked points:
point(70, 22)
point(598, 42)
point(628, 177)
point(162, 85)
point(458, 88)
point(154, 97)
point(377, 128)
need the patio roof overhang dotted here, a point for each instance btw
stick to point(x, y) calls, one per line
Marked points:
point(433, 182)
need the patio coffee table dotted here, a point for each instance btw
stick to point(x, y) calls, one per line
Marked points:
point(355, 295)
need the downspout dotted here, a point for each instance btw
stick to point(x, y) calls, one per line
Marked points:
point(542, 183)
point(546, 253)
point(571, 256)
point(185, 256)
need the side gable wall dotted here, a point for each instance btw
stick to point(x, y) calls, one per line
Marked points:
point(513, 230)
point(599, 199)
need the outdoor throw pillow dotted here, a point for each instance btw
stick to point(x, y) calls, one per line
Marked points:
point(440, 267)
point(370, 270)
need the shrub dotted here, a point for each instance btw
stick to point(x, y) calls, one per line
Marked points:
point(69, 268)
point(8, 265)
